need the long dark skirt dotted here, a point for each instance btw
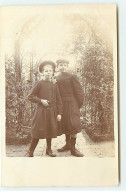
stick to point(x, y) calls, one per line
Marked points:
point(44, 123)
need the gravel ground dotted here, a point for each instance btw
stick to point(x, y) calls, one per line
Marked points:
point(84, 144)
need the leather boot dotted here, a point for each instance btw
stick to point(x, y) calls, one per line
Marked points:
point(66, 146)
point(74, 151)
point(48, 149)
point(32, 147)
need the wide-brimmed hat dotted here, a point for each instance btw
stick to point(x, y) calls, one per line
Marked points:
point(62, 61)
point(47, 63)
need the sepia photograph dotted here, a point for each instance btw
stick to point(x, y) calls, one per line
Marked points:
point(60, 84)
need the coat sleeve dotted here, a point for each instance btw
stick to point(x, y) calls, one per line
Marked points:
point(33, 95)
point(59, 104)
point(78, 91)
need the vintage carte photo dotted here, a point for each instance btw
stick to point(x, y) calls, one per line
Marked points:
point(59, 82)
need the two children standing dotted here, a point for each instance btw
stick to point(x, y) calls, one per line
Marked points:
point(56, 102)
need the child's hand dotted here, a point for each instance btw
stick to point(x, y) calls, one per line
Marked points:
point(59, 117)
point(45, 102)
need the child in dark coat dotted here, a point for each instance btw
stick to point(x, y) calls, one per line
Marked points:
point(49, 109)
point(72, 97)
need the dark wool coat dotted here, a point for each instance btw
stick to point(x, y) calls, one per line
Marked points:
point(44, 122)
point(72, 98)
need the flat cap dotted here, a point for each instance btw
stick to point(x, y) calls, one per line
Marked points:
point(62, 61)
point(46, 63)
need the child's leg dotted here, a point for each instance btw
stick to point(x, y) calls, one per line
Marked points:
point(67, 145)
point(48, 142)
point(74, 151)
point(48, 150)
point(32, 147)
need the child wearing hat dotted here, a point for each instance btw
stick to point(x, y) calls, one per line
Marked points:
point(72, 98)
point(49, 109)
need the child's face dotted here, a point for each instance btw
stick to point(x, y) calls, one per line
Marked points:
point(62, 67)
point(47, 71)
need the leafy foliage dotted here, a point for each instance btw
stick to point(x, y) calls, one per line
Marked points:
point(96, 64)
point(18, 109)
